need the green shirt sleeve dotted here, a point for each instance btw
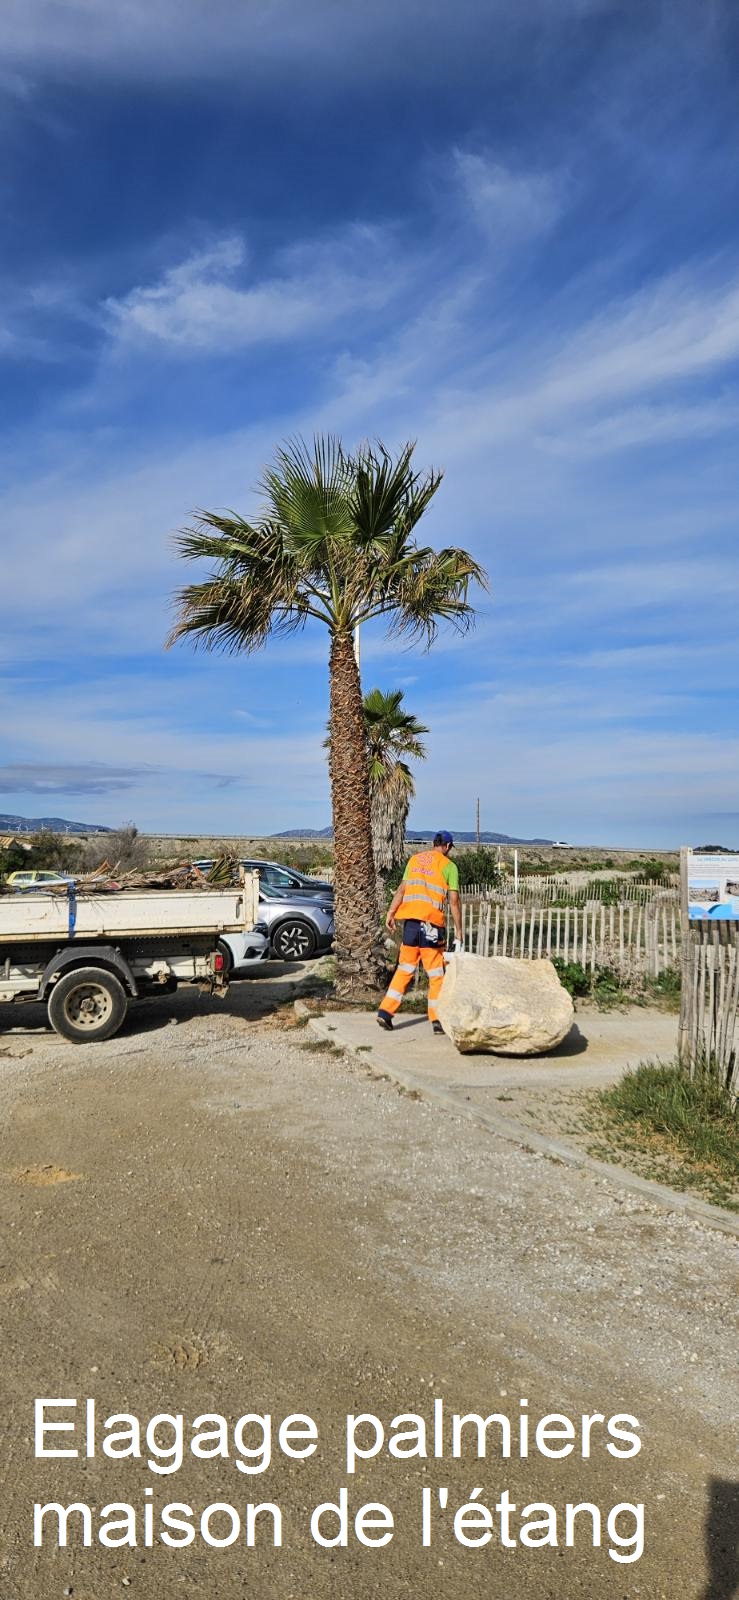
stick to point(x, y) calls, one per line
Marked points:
point(450, 874)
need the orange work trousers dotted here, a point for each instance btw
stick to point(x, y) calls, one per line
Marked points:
point(432, 959)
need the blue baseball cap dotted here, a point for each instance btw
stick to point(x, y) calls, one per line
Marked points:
point(443, 837)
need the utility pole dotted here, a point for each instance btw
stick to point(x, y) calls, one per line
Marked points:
point(477, 821)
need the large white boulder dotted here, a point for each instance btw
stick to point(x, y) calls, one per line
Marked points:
point(503, 1006)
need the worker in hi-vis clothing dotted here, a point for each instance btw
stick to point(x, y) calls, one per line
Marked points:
point(419, 903)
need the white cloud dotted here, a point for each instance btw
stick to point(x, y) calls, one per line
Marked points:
point(509, 206)
point(643, 427)
point(196, 305)
point(669, 331)
point(240, 39)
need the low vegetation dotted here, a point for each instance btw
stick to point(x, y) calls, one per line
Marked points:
point(681, 1130)
point(478, 864)
point(608, 988)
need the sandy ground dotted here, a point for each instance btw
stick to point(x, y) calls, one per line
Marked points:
point(212, 1218)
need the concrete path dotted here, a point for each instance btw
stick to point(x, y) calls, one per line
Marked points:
point(600, 1048)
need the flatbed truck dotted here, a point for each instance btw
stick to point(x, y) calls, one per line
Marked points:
point(87, 955)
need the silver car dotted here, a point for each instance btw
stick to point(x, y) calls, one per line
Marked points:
point(299, 925)
point(294, 926)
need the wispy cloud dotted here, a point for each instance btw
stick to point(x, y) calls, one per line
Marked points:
point(642, 427)
point(509, 206)
point(198, 307)
point(228, 39)
point(90, 778)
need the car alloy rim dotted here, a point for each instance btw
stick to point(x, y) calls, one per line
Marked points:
point(293, 940)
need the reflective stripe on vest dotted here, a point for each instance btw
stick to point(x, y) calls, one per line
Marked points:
point(424, 889)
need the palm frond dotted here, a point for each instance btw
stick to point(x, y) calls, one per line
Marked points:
point(308, 492)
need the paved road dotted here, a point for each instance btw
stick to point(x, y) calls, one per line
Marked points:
point(213, 1218)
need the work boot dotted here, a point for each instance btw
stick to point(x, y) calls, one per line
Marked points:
point(385, 1020)
point(437, 1028)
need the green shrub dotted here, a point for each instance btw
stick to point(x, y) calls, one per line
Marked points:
point(572, 976)
point(12, 860)
point(607, 890)
point(607, 989)
point(649, 870)
point(49, 852)
point(479, 865)
point(392, 881)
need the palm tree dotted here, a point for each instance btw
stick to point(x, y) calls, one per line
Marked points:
point(392, 734)
point(335, 543)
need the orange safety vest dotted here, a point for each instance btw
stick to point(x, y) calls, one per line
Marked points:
point(424, 889)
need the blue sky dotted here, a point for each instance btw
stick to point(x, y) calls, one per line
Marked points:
point(508, 230)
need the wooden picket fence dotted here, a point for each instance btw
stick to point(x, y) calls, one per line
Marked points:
point(709, 1003)
point(630, 939)
point(535, 891)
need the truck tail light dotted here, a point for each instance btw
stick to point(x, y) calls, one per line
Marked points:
point(218, 962)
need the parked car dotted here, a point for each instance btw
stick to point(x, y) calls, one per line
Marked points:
point(37, 880)
point(297, 925)
point(244, 952)
point(286, 878)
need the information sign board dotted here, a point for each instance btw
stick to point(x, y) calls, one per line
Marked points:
point(713, 887)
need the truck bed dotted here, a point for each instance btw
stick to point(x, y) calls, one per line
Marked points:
point(128, 913)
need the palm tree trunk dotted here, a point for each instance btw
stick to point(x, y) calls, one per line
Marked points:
point(377, 818)
point(360, 962)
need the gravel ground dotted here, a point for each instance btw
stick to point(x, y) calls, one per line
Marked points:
point(212, 1217)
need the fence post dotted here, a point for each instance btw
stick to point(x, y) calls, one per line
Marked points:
point(684, 1030)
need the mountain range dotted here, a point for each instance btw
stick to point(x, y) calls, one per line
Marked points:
point(15, 824)
point(11, 824)
point(416, 835)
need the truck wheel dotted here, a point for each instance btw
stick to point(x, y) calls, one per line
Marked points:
point(87, 1005)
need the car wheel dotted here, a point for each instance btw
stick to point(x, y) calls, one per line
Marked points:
point(294, 940)
point(228, 959)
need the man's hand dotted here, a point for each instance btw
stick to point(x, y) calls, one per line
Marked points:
point(394, 906)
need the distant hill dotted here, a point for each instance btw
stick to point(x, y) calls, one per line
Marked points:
point(11, 824)
point(416, 835)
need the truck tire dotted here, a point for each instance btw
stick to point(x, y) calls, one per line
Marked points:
point(87, 1005)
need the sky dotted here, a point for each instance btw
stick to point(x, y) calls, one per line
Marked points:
point(506, 229)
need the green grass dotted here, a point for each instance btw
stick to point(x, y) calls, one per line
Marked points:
point(665, 989)
point(322, 1047)
point(686, 1127)
point(607, 989)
